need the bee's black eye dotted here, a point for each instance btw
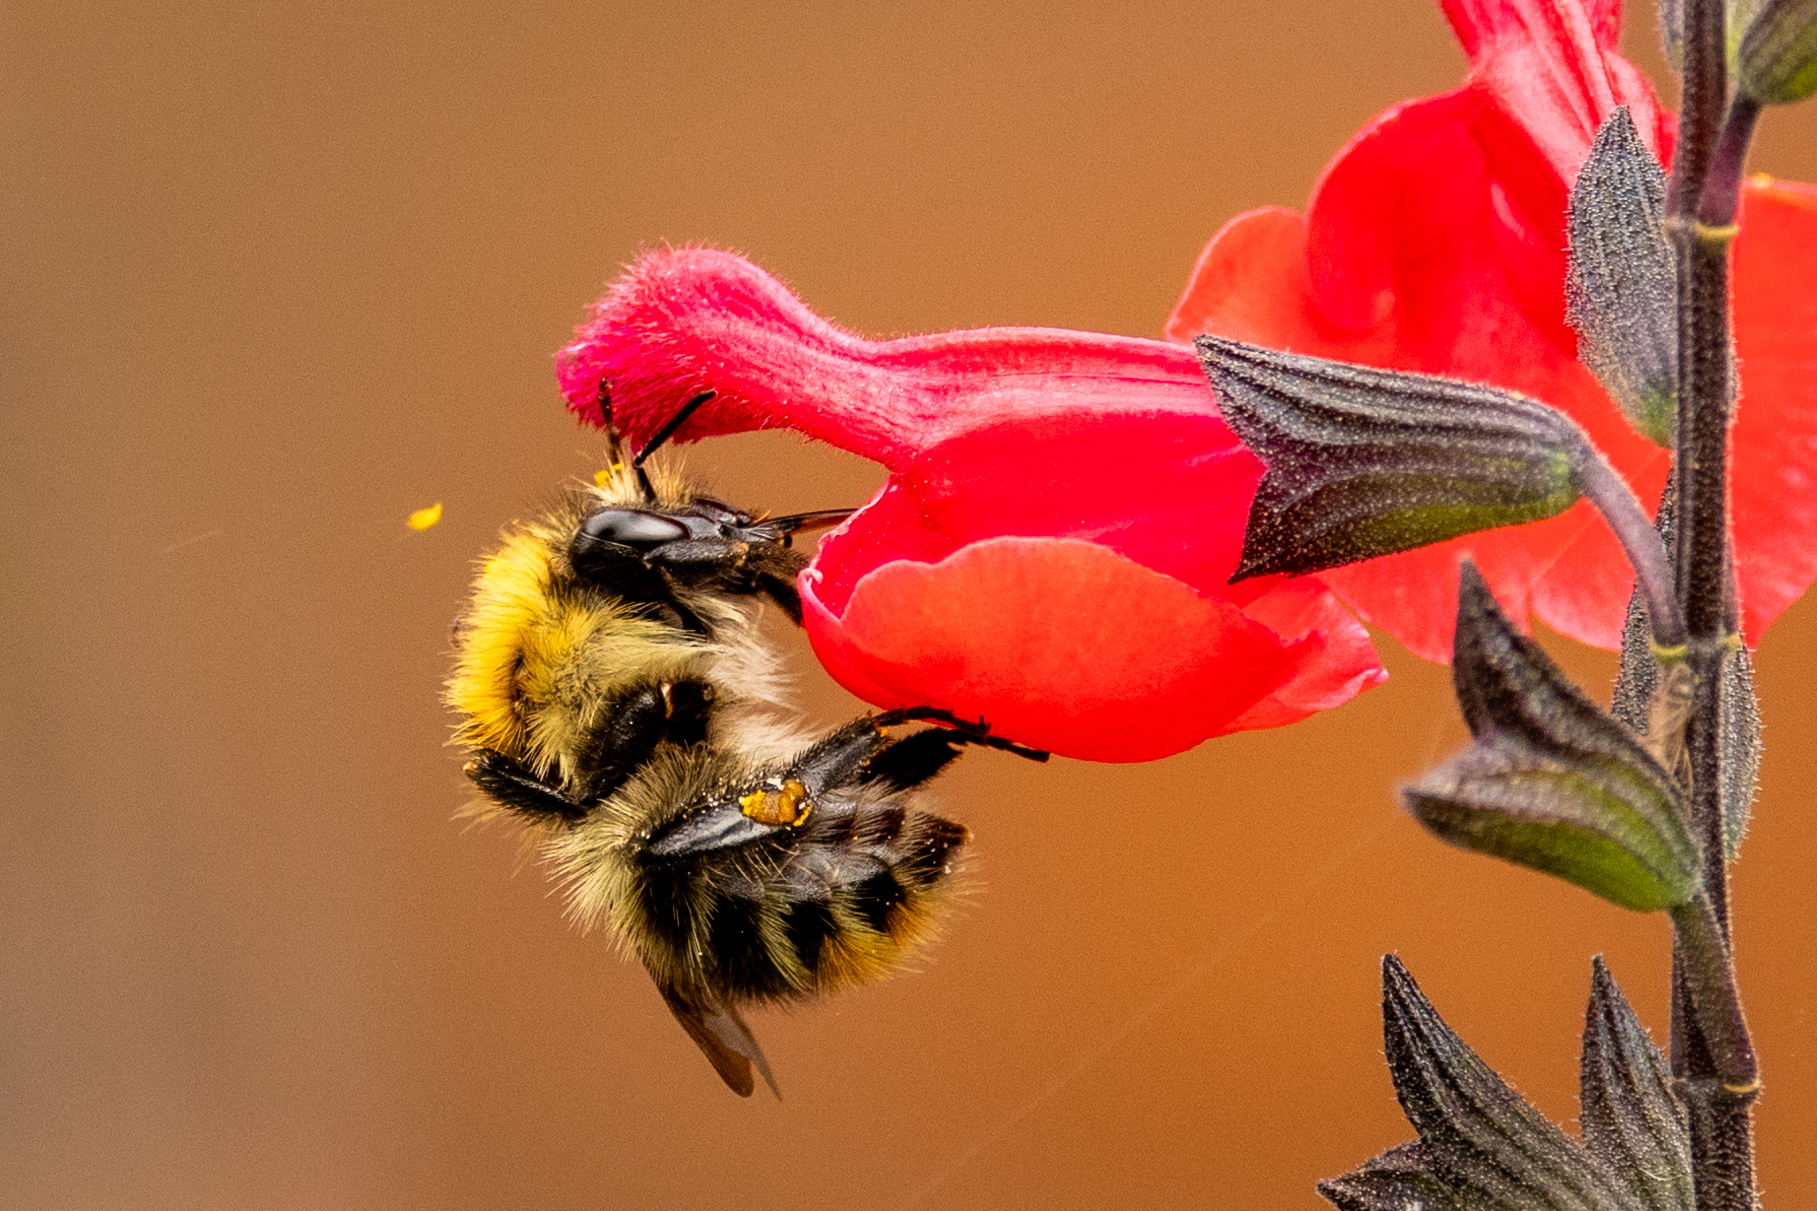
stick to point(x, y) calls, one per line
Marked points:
point(629, 528)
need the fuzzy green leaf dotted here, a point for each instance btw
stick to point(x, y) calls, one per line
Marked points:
point(1778, 60)
point(1631, 1122)
point(1551, 782)
point(1478, 1137)
point(1365, 462)
point(1621, 292)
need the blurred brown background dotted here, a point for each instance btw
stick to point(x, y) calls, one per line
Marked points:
point(277, 275)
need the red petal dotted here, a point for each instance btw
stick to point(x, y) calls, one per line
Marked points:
point(1435, 243)
point(1251, 284)
point(1545, 74)
point(1477, 22)
point(1774, 441)
point(1058, 643)
point(1337, 663)
point(1162, 501)
point(1170, 492)
point(1368, 241)
point(1549, 68)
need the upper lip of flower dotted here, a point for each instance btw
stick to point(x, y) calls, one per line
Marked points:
point(696, 319)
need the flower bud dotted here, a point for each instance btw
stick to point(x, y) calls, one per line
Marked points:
point(1631, 1120)
point(1622, 293)
point(1777, 64)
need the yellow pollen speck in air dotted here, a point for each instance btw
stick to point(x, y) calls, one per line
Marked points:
point(422, 519)
point(605, 475)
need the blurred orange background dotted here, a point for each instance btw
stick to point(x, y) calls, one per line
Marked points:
point(279, 274)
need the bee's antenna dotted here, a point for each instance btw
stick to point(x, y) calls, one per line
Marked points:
point(667, 431)
point(617, 442)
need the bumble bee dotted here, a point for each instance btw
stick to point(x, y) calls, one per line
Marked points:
point(615, 692)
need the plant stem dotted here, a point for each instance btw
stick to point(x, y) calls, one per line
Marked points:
point(1705, 370)
point(1710, 979)
point(1703, 345)
point(1722, 187)
point(1711, 1054)
point(1719, 1097)
point(1704, 93)
point(1613, 497)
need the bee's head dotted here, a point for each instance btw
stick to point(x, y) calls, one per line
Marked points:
point(645, 537)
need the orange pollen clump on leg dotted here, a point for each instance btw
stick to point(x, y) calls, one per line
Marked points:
point(787, 806)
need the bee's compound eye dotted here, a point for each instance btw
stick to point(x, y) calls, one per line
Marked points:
point(629, 528)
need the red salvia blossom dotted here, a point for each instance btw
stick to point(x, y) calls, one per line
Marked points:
point(1435, 242)
point(1051, 550)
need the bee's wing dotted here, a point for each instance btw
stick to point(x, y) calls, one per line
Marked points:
point(718, 1029)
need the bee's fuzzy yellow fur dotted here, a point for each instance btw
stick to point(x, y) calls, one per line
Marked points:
point(541, 657)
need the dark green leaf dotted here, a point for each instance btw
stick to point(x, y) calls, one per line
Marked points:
point(1478, 1137)
point(1365, 462)
point(1551, 782)
point(1632, 1123)
point(1621, 293)
point(1777, 64)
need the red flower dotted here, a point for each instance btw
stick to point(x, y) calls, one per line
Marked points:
point(1051, 551)
point(1435, 242)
